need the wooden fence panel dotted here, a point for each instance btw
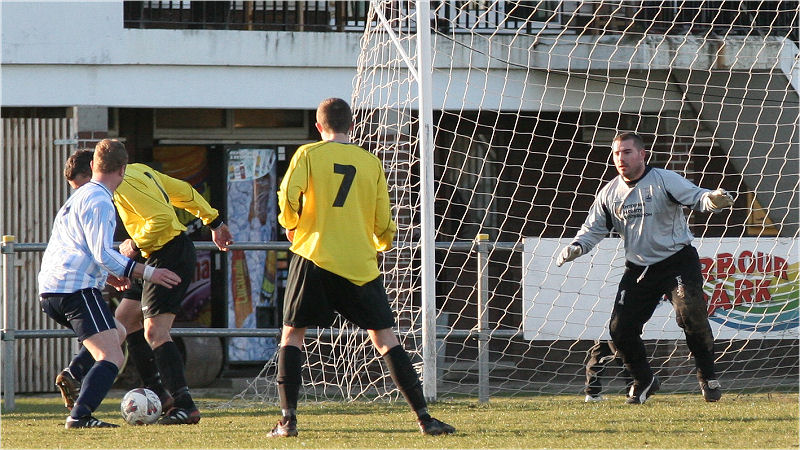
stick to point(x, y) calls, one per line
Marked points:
point(33, 190)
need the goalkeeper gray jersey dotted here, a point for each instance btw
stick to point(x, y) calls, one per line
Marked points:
point(647, 213)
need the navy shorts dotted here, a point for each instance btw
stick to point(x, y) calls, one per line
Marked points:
point(314, 296)
point(178, 255)
point(85, 312)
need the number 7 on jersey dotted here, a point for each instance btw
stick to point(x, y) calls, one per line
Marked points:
point(349, 173)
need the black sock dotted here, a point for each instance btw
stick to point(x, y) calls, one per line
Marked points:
point(144, 360)
point(170, 364)
point(95, 387)
point(406, 379)
point(81, 363)
point(290, 366)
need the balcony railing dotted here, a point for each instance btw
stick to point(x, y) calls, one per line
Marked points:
point(777, 18)
point(247, 15)
point(477, 16)
point(702, 17)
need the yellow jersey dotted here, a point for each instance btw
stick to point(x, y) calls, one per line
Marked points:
point(334, 196)
point(145, 201)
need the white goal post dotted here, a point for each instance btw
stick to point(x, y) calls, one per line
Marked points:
point(496, 118)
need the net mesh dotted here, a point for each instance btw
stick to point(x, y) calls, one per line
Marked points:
point(527, 97)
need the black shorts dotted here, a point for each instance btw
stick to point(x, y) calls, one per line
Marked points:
point(677, 279)
point(85, 312)
point(314, 296)
point(135, 291)
point(178, 255)
point(662, 277)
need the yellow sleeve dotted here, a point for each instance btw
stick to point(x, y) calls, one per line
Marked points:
point(183, 195)
point(385, 227)
point(290, 194)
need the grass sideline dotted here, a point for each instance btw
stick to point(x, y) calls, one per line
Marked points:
point(740, 421)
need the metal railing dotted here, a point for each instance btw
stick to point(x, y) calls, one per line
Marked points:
point(246, 15)
point(487, 17)
point(10, 334)
point(698, 17)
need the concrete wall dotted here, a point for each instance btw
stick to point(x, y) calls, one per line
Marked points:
point(64, 54)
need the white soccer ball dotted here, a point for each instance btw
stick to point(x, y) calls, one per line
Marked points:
point(140, 406)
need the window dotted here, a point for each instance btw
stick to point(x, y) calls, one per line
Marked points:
point(268, 118)
point(226, 124)
point(190, 118)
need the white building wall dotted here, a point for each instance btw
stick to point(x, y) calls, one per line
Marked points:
point(63, 54)
point(73, 53)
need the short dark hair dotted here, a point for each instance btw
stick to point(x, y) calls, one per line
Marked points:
point(109, 155)
point(629, 135)
point(334, 115)
point(79, 163)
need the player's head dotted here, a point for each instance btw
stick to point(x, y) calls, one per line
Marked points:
point(109, 162)
point(109, 156)
point(78, 169)
point(334, 116)
point(627, 150)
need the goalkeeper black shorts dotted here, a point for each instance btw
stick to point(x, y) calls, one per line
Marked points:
point(314, 296)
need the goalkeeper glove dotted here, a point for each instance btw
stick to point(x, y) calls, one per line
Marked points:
point(719, 199)
point(569, 253)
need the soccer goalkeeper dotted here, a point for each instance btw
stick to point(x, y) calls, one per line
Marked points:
point(644, 205)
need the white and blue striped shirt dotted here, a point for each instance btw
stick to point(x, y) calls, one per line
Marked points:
point(80, 253)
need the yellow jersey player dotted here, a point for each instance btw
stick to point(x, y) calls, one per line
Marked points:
point(334, 203)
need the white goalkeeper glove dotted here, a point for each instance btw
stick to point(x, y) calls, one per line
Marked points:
point(569, 253)
point(718, 199)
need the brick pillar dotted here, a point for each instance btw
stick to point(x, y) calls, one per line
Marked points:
point(91, 124)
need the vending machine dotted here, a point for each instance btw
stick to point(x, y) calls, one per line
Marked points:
point(252, 294)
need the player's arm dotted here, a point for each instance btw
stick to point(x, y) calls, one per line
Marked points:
point(717, 200)
point(100, 223)
point(129, 248)
point(160, 275)
point(597, 225)
point(118, 283)
point(290, 194)
point(221, 235)
point(385, 228)
point(182, 195)
point(684, 192)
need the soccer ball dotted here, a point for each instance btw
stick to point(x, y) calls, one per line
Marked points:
point(140, 406)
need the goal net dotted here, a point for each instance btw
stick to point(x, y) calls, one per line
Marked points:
point(524, 99)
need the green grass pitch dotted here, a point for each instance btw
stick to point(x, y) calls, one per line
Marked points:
point(673, 421)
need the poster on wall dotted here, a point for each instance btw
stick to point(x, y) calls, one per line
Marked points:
point(189, 163)
point(252, 217)
point(750, 286)
point(196, 306)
